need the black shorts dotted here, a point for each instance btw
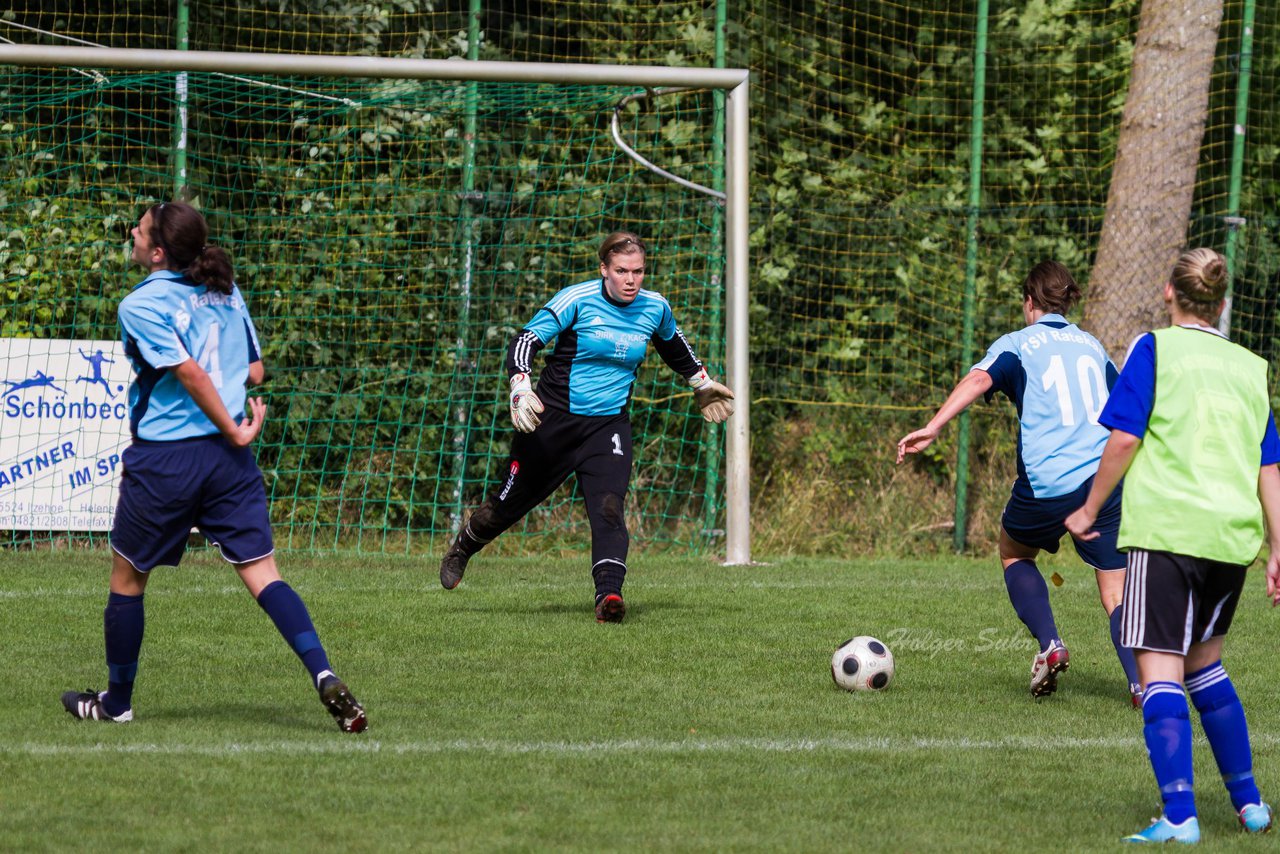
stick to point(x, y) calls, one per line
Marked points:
point(1172, 601)
point(595, 448)
point(168, 488)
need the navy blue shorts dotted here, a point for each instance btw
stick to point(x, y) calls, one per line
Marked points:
point(1038, 522)
point(168, 488)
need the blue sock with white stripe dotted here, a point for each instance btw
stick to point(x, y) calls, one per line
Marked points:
point(1030, 597)
point(122, 624)
point(285, 608)
point(1167, 732)
point(1222, 717)
point(1123, 652)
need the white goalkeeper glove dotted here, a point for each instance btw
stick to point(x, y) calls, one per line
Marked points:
point(712, 397)
point(525, 405)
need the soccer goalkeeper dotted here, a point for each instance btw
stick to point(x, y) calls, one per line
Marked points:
point(577, 422)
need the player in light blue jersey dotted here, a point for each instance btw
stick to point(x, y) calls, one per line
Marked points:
point(1058, 378)
point(577, 421)
point(193, 347)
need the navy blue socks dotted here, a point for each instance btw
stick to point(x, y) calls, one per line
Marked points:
point(1123, 652)
point(1030, 597)
point(122, 625)
point(123, 622)
point(286, 610)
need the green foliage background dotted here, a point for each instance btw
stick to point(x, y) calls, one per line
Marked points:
point(861, 140)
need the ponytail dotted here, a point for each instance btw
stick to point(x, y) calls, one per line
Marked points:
point(181, 231)
point(212, 267)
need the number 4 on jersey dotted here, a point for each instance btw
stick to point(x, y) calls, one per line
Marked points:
point(209, 359)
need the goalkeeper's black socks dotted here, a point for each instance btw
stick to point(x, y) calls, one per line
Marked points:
point(608, 574)
point(466, 543)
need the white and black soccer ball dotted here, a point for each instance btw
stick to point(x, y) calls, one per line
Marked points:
point(862, 664)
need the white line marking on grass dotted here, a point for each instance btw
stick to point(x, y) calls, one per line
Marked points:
point(50, 592)
point(585, 748)
point(505, 585)
point(594, 748)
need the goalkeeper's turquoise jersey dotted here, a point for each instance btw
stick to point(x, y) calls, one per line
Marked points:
point(599, 345)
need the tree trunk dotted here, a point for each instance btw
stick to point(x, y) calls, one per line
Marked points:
point(1153, 180)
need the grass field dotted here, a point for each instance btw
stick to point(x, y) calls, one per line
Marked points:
point(502, 717)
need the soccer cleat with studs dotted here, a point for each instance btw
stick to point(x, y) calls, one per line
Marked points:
point(452, 567)
point(87, 706)
point(1256, 818)
point(342, 705)
point(1163, 830)
point(1135, 695)
point(1046, 666)
point(610, 608)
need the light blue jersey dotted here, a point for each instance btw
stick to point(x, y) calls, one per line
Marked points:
point(600, 345)
point(1058, 377)
point(166, 320)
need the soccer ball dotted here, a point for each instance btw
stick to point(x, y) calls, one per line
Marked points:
point(862, 664)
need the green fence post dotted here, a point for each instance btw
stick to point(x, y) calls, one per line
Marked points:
point(1233, 219)
point(181, 36)
point(463, 370)
point(971, 265)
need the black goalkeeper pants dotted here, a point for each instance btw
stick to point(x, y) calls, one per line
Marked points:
point(595, 448)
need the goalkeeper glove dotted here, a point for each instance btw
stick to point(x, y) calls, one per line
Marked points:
point(712, 397)
point(525, 405)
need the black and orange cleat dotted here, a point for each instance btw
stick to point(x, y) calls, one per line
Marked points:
point(452, 567)
point(610, 608)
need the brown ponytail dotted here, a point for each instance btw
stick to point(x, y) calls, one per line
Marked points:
point(1051, 288)
point(181, 231)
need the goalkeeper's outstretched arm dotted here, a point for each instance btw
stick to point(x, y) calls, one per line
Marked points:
point(714, 399)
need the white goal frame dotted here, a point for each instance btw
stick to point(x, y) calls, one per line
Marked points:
point(733, 81)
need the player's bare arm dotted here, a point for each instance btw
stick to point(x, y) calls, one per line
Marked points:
point(1269, 494)
point(969, 389)
point(202, 391)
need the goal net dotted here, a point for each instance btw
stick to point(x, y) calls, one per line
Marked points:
point(390, 236)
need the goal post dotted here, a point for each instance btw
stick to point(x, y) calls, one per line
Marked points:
point(734, 249)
